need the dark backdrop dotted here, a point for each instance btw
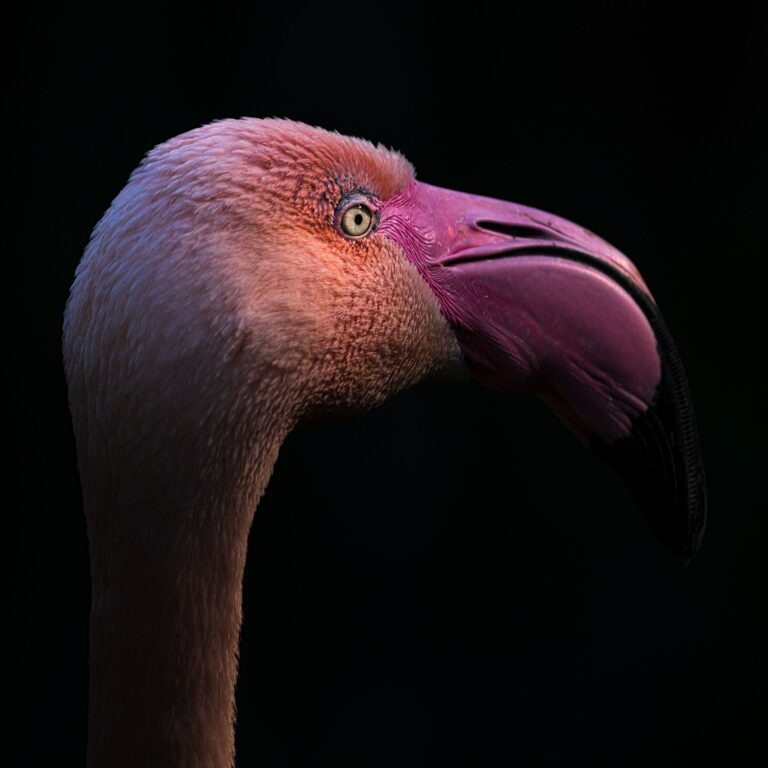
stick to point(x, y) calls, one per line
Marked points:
point(450, 580)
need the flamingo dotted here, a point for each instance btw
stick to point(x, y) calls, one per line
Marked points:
point(256, 273)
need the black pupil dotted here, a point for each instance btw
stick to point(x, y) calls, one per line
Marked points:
point(358, 219)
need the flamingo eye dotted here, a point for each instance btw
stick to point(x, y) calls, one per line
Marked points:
point(357, 220)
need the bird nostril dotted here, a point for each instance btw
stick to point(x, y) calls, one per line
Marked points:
point(515, 230)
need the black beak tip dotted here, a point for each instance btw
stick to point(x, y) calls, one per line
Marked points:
point(660, 462)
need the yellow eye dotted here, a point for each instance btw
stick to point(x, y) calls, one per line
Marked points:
point(357, 220)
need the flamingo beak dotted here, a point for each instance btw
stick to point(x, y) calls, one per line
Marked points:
point(541, 304)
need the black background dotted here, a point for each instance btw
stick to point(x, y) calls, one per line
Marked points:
point(450, 580)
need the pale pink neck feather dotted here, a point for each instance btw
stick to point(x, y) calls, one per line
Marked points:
point(166, 618)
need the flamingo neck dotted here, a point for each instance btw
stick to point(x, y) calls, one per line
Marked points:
point(167, 567)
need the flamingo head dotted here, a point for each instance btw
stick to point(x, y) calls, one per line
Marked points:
point(252, 251)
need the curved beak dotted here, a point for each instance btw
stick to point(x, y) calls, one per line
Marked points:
point(541, 304)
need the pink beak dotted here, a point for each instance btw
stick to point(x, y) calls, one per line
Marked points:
point(541, 304)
